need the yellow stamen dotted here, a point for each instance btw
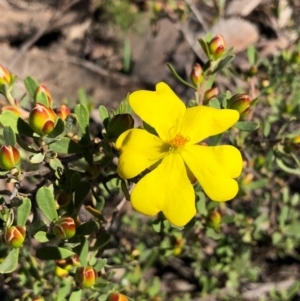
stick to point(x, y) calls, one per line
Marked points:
point(178, 141)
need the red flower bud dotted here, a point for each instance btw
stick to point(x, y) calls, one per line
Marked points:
point(42, 119)
point(86, 276)
point(13, 109)
point(9, 157)
point(216, 47)
point(117, 297)
point(42, 95)
point(241, 103)
point(63, 112)
point(209, 94)
point(196, 75)
point(65, 228)
point(74, 260)
point(14, 236)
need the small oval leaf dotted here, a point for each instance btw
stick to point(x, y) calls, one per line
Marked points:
point(46, 202)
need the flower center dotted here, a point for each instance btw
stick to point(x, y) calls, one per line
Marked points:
point(178, 141)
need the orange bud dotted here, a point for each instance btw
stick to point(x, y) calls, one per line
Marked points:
point(9, 157)
point(13, 109)
point(14, 236)
point(210, 93)
point(117, 297)
point(196, 75)
point(64, 228)
point(86, 276)
point(63, 112)
point(5, 76)
point(42, 119)
point(42, 95)
point(216, 47)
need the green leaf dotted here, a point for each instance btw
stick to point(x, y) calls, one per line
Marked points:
point(66, 146)
point(53, 253)
point(55, 164)
point(284, 167)
point(36, 226)
point(252, 55)
point(23, 212)
point(18, 125)
point(222, 64)
point(46, 202)
point(37, 158)
point(82, 250)
point(81, 192)
point(10, 263)
point(292, 229)
point(201, 204)
point(247, 126)
point(102, 240)
point(86, 228)
point(76, 296)
point(100, 264)
point(64, 289)
point(43, 236)
point(9, 136)
point(214, 103)
point(31, 85)
point(179, 78)
point(204, 46)
point(103, 113)
point(70, 123)
point(83, 115)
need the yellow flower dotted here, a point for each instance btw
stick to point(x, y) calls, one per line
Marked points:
point(175, 151)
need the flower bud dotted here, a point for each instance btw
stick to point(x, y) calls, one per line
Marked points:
point(117, 297)
point(63, 198)
point(14, 236)
point(42, 119)
point(13, 109)
point(209, 94)
point(241, 103)
point(216, 47)
point(42, 95)
point(119, 124)
point(196, 75)
point(9, 157)
point(38, 299)
point(63, 112)
point(61, 272)
point(6, 79)
point(86, 276)
point(214, 220)
point(74, 260)
point(64, 228)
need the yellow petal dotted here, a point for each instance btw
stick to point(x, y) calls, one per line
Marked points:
point(139, 150)
point(166, 189)
point(214, 168)
point(161, 109)
point(201, 122)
